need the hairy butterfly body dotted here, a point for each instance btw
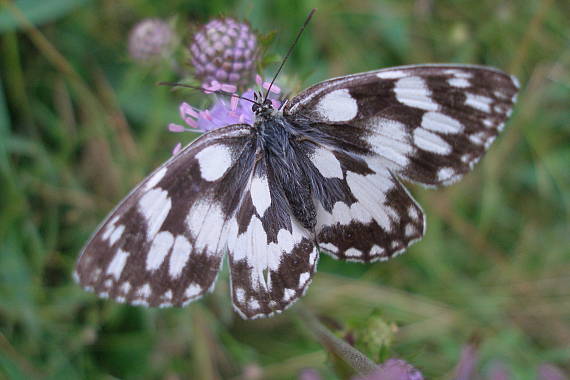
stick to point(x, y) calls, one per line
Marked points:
point(322, 174)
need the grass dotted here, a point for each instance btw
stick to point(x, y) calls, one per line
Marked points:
point(80, 125)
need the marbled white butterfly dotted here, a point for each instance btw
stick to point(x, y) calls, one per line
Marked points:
point(321, 174)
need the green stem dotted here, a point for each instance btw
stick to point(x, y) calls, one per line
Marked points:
point(354, 358)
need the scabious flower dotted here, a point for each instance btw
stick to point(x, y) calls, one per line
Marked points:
point(150, 40)
point(224, 51)
point(225, 110)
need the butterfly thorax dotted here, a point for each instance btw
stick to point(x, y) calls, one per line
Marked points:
point(285, 160)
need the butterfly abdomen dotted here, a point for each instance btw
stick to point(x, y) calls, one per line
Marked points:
point(285, 159)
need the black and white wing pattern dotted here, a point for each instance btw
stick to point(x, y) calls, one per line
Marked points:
point(323, 173)
point(428, 124)
point(272, 257)
point(163, 245)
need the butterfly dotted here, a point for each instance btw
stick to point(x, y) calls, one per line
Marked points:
point(322, 174)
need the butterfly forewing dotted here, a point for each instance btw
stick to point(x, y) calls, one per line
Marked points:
point(164, 243)
point(428, 123)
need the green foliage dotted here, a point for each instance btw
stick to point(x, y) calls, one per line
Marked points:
point(80, 124)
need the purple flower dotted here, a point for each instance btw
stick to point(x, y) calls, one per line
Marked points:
point(150, 40)
point(225, 51)
point(225, 110)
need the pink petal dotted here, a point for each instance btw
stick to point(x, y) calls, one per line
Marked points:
point(258, 80)
point(206, 115)
point(175, 128)
point(234, 103)
point(210, 88)
point(191, 122)
point(274, 88)
point(186, 109)
point(176, 149)
point(228, 88)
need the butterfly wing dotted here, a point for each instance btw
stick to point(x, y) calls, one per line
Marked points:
point(363, 212)
point(272, 257)
point(164, 243)
point(428, 124)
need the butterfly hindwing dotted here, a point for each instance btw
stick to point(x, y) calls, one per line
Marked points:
point(363, 212)
point(429, 123)
point(164, 243)
point(272, 258)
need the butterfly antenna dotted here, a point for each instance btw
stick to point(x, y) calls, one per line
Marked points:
point(290, 50)
point(219, 92)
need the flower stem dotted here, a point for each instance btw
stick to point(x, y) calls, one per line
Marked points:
point(354, 358)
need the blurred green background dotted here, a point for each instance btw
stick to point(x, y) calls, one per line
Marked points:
point(80, 124)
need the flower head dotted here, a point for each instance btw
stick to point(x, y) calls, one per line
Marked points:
point(224, 111)
point(225, 51)
point(150, 39)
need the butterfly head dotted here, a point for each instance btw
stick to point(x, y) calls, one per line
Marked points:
point(259, 108)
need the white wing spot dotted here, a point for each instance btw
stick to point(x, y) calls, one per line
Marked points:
point(438, 122)
point(253, 304)
point(206, 224)
point(329, 247)
point(413, 212)
point(391, 74)
point(193, 290)
point(458, 82)
point(144, 291)
point(337, 106)
point(260, 194)
point(371, 192)
point(139, 302)
point(167, 296)
point(489, 123)
point(117, 265)
point(303, 278)
point(116, 235)
point(478, 138)
point(390, 140)
point(110, 227)
point(155, 179)
point(326, 162)
point(353, 252)
point(313, 256)
point(125, 287)
point(444, 174)
point(240, 295)
point(158, 250)
point(214, 160)
point(155, 206)
point(376, 250)
point(179, 257)
point(410, 230)
point(459, 73)
point(341, 212)
point(288, 294)
point(413, 92)
point(479, 102)
point(431, 142)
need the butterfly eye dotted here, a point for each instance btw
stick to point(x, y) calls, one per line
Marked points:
point(268, 102)
point(255, 107)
